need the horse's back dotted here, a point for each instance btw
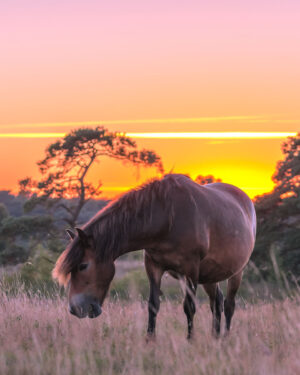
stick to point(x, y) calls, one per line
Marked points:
point(212, 201)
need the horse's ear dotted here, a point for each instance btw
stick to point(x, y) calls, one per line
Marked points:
point(70, 234)
point(83, 237)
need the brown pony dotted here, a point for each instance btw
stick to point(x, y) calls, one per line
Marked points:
point(202, 234)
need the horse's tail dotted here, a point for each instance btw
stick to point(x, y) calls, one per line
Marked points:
point(253, 219)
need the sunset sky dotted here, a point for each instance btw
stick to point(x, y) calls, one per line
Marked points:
point(171, 67)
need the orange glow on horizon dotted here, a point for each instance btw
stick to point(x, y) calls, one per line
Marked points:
point(213, 135)
point(171, 135)
point(144, 121)
point(245, 159)
point(240, 159)
point(32, 135)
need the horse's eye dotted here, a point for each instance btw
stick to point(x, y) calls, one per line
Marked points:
point(82, 266)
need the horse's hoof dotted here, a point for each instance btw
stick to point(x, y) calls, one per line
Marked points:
point(216, 335)
point(226, 333)
point(150, 337)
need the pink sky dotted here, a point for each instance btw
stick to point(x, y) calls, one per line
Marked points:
point(90, 60)
point(78, 61)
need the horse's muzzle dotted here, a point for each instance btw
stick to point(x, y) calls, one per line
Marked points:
point(82, 306)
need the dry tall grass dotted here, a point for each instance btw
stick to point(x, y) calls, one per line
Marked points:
point(39, 336)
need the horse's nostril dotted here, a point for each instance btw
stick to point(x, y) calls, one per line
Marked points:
point(90, 309)
point(94, 310)
point(72, 310)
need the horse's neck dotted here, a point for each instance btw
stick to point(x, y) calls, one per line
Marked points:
point(134, 242)
point(145, 234)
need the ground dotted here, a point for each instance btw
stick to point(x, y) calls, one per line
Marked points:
point(39, 336)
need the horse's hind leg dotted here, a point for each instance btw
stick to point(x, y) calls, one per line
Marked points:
point(189, 306)
point(229, 304)
point(216, 304)
point(154, 273)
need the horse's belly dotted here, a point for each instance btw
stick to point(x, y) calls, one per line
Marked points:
point(174, 261)
point(212, 272)
point(219, 266)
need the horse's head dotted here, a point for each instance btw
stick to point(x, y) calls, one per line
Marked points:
point(88, 279)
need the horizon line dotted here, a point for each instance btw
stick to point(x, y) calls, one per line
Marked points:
point(140, 121)
point(170, 135)
point(210, 135)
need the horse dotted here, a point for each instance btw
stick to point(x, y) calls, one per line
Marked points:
point(202, 234)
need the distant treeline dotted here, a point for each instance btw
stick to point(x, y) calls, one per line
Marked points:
point(15, 207)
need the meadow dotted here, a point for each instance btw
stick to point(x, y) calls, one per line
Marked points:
point(39, 336)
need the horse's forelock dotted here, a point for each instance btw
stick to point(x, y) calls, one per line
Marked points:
point(66, 262)
point(57, 272)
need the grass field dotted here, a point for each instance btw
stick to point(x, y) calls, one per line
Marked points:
point(39, 336)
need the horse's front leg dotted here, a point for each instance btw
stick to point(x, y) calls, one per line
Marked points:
point(154, 272)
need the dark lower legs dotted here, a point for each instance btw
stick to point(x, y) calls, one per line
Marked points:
point(216, 302)
point(189, 306)
point(216, 305)
point(217, 311)
point(229, 307)
point(229, 304)
point(153, 307)
point(154, 274)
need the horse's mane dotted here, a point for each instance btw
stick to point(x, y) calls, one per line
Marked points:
point(110, 227)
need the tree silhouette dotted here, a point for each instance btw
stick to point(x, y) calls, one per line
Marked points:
point(287, 175)
point(209, 179)
point(278, 214)
point(67, 163)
